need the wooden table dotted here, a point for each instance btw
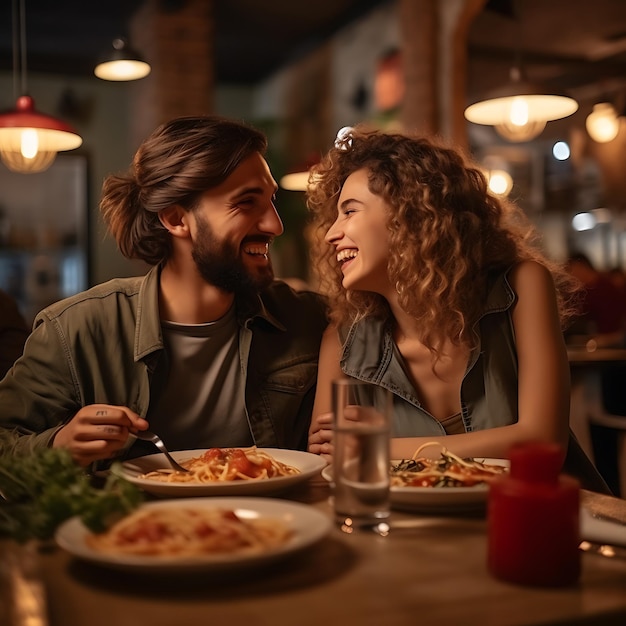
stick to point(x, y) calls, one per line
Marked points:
point(580, 356)
point(430, 573)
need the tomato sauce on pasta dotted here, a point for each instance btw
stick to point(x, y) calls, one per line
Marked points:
point(225, 464)
point(188, 532)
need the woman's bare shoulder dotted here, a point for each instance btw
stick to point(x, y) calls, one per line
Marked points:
point(529, 274)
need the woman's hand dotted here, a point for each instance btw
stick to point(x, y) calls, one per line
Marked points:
point(321, 436)
point(98, 431)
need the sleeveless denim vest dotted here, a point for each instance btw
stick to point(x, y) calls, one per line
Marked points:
point(489, 387)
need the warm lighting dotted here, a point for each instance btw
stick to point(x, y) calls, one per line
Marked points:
point(296, 181)
point(520, 131)
point(122, 63)
point(496, 170)
point(30, 140)
point(520, 110)
point(499, 181)
point(603, 123)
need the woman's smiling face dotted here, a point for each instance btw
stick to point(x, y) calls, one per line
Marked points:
point(360, 236)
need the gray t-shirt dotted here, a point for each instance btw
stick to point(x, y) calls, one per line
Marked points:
point(202, 405)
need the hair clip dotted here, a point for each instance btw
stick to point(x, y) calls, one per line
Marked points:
point(344, 138)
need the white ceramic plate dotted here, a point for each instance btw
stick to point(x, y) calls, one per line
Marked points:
point(601, 530)
point(308, 464)
point(433, 499)
point(309, 526)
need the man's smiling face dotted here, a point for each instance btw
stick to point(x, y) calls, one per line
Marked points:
point(234, 226)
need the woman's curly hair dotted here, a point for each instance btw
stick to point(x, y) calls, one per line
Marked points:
point(447, 234)
point(181, 160)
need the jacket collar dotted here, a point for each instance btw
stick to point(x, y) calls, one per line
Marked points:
point(253, 306)
point(148, 336)
point(500, 294)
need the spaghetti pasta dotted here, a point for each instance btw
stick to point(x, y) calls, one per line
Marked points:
point(447, 471)
point(189, 532)
point(225, 464)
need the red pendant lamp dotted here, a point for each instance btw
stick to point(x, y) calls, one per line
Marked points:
point(30, 140)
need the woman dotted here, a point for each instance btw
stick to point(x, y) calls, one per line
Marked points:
point(440, 293)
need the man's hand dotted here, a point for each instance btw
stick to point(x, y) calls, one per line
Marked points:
point(98, 431)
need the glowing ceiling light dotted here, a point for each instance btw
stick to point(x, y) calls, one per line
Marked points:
point(603, 123)
point(520, 106)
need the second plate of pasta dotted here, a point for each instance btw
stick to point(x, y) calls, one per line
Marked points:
point(217, 474)
point(436, 499)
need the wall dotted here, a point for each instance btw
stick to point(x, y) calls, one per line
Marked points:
point(350, 57)
point(99, 112)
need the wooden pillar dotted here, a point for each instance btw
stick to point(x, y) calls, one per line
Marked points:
point(435, 50)
point(178, 44)
point(418, 31)
point(456, 19)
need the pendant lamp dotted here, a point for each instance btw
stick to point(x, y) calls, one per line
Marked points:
point(520, 109)
point(603, 122)
point(122, 63)
point(30, 140)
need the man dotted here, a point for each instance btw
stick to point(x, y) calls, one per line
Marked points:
point(207, 349)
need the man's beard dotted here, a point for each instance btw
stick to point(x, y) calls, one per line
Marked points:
point(220, 264)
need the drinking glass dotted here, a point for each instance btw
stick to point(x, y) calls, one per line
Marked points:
point(361, 430)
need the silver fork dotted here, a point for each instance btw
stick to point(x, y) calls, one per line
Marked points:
point(146, 435)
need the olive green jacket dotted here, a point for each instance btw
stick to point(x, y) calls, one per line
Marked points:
point(105, 346)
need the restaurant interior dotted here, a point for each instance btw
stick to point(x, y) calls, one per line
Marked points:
point(300, 76)
point(300, 73)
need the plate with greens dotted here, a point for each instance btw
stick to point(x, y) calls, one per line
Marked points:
point(446, 484)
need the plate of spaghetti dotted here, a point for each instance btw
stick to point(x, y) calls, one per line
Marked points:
point(447, 483)
point(208, 534)
point(222, 471)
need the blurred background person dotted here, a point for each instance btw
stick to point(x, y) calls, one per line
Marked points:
point(603, 324)
point(13, 332)
point(602, 305)
point(618, 278)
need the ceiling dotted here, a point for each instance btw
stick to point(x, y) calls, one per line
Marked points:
point(570, 44)
point(574, 46)
point(252, 37)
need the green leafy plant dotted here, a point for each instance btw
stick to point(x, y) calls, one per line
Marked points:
point(40, 491)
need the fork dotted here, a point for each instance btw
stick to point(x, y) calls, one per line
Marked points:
point(146, 435)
